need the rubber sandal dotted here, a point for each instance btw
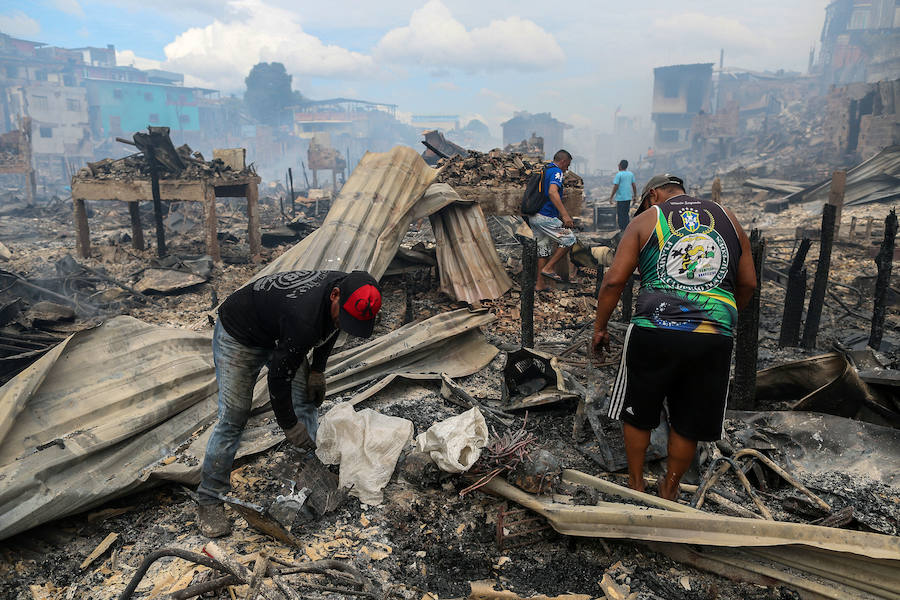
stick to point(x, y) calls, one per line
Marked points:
point(553, 276)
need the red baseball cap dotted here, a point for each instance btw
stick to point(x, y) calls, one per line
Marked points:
point(360, 302)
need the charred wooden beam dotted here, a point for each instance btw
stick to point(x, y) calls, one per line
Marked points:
point(794, 298)
point(137, 232)
point(743, 390)
point(157, 209)
point(883, 261)
point(817, 298)
point(527, 282)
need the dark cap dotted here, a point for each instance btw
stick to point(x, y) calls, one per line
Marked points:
point(360, 302)
point(657, 181)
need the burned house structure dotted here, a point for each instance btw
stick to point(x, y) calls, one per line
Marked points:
point(680, 93)
point(860, 41)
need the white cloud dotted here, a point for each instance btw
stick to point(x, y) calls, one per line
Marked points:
point(224, 52)
point(435, 39)
point(447, 86)
point(18, 23)
point(70, 7)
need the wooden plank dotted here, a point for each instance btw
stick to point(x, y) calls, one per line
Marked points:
point(100, 549)
point(139, 191)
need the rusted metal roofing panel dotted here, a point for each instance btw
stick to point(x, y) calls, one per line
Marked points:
point(467, 259)
point(366, 222)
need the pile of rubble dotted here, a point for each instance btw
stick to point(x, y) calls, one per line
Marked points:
point(789, 146)
point(489, 169)
point(135, 167)
point(11, 147)
point(533, 147)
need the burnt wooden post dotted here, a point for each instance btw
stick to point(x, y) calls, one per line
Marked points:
point(529, 274)
point(212, 223)
point(157, 207)
point(253, 234)
point(82, 229)
point(794, 298)
point(628, 300)
point(852, 233)
point(410, 289)
point(817, 298)
point(884, 261)
point(836, 198)
point(293, 205)
point(137, 233)
point(743, 389)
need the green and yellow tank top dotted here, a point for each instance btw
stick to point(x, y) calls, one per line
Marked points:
point(688, 269)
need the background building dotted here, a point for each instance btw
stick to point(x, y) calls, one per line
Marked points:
point(680, 92)
point(860, 41)
point(524, 124)
point(79, 100)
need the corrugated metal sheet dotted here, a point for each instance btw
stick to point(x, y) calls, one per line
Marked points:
point(367, 220)
point(371, 214)
point(826, 562)
point(874, 180)
point(419, 348)
point(467, 259)
point(86, 420)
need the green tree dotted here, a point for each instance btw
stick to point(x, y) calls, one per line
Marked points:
point(268, 92)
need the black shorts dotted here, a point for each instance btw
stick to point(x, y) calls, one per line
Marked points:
point(688, 370)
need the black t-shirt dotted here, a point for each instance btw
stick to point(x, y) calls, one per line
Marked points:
point(291, 314)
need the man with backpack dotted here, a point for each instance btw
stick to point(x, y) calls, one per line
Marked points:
point(551, 223)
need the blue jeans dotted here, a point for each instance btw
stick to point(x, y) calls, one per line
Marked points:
point(237, 369)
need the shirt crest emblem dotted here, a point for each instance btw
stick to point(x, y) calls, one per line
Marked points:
point(691, 219)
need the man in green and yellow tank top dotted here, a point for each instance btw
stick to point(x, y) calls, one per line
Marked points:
point(696, 272)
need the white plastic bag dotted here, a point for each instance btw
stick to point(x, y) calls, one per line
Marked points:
point(366, 444)
point(455, 443)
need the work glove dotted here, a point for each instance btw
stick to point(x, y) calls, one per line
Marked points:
point(315, 388)
point(299, 437)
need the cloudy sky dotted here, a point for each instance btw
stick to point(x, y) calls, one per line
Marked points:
point(578, 59)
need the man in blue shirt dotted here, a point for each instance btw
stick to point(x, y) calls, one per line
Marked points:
point(552, 223)
point(623, 193)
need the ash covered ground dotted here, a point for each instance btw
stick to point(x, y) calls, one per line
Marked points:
point(421, 540)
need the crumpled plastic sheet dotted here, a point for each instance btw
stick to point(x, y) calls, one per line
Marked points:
point(366, 444)
point(455, 444)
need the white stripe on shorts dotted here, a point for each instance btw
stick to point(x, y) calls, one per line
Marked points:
point(617, 399)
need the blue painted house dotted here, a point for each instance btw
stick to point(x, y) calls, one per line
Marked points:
point(118, 108)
